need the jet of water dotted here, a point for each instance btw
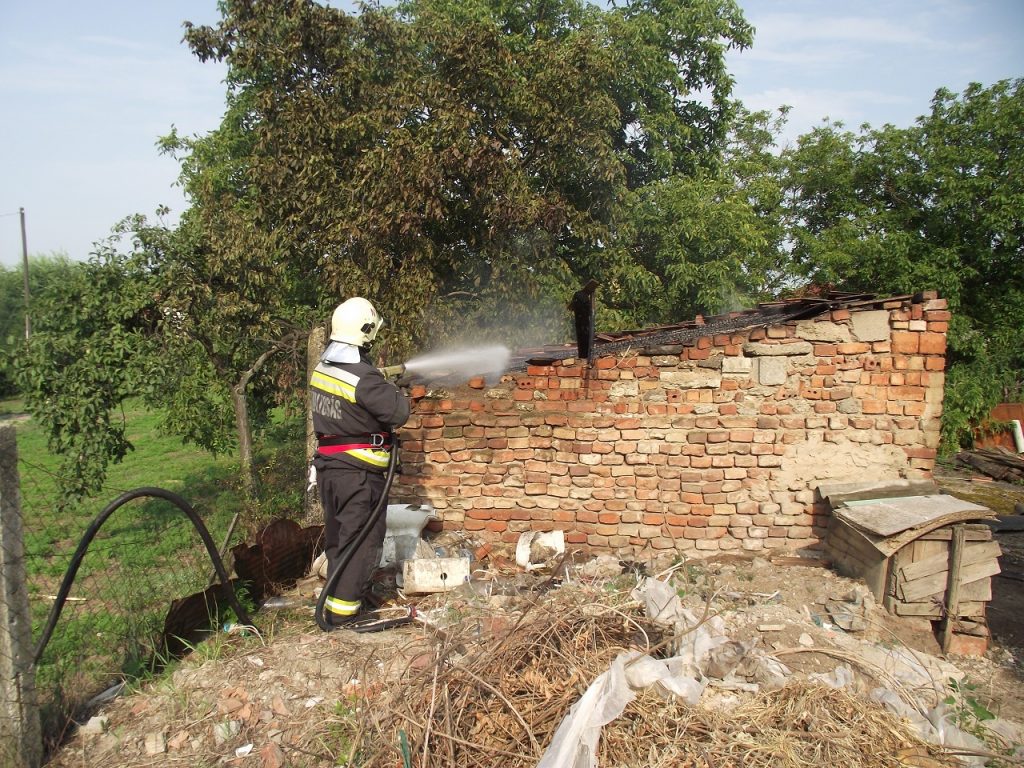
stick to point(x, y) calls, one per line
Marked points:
point(458, 365)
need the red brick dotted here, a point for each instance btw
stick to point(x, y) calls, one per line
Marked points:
point(932, 344)
point(825, 350)
point(906, 393)
point(840, 314)
point(853, 348)
point(968, 645)
point(906, 343)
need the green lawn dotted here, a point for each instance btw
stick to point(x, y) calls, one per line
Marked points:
point(145, 556)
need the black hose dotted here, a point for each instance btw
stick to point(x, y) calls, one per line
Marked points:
point(93, 529)
point(357, 540)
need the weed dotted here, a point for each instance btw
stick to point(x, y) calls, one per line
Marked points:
point(343, 730)
point(968, 712)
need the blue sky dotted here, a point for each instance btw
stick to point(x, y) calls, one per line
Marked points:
point(87, 88)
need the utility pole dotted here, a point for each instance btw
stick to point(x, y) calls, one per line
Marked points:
point(24, 261)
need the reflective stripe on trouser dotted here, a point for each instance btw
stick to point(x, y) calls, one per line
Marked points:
point(348, 497)
point(341, 607)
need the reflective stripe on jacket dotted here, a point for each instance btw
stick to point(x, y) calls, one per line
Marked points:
point(355, 399)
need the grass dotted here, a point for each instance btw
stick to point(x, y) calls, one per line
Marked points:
point(146, 555)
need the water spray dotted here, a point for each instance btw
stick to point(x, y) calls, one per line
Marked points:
point(454, 365)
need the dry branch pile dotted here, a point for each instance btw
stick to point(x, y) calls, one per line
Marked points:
point(488, 699)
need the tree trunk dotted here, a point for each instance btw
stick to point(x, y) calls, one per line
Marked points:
point(239, 399)
point(314, 348)
point(245, 457)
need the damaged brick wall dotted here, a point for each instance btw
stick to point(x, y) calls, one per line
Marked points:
point(717, 445)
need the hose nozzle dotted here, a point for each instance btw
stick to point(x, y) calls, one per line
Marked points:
point(393, 372)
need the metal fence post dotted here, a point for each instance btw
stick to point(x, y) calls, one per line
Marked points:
point(21, 744)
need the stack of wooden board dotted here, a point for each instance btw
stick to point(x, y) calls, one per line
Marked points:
point(920, 574)
point(897, 537)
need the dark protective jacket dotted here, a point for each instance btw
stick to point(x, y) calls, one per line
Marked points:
point(354, 406)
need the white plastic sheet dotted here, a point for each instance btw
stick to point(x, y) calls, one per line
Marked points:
point(574, 744)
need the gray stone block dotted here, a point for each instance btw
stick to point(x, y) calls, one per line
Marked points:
point(871, 326)
point(771, 371)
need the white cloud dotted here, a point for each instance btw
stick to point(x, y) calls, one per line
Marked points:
point(810, 106)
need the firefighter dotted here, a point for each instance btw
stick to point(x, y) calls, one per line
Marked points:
point(355, 411)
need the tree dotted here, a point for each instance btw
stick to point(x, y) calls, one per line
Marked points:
point(710, 240)
point(44, 270)
point(452, 161)
point(148, 321)
point(467, 156)
point(936, 205)
point(79, 364)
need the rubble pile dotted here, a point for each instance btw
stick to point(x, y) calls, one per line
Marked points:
point(615, 667)
point(547, 657)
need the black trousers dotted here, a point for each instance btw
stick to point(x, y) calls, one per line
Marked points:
point(348, 497)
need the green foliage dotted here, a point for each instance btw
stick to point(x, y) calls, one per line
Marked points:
point(455, 161)
point(44, 271)
point(933, 206)
point(81, 363)
point(968, 710)
point(467, 165)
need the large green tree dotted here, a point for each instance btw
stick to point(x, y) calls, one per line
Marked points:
point(456, 160)
point(933, 206)
point(710, 240)
point(44, 270)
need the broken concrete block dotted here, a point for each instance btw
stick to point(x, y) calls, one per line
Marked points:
point(756, 349)
point(702, 378)
point(771, 371)
point(813, 330)
point(434, 575)
point(737, 366)
point(535, 549)
point(871, 326)
point(156, 743)
point(96, 724)
point(624, 389)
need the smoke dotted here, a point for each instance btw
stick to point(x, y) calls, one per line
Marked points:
point(457, 365)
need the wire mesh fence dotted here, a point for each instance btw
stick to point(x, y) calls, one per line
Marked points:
point(113, 623)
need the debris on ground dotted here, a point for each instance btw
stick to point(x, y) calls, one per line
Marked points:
point(576, 661)
point(996, 463)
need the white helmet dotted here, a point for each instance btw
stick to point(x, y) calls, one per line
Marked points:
point(355, 322)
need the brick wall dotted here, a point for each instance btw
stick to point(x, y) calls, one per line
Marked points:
point(717, 445)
